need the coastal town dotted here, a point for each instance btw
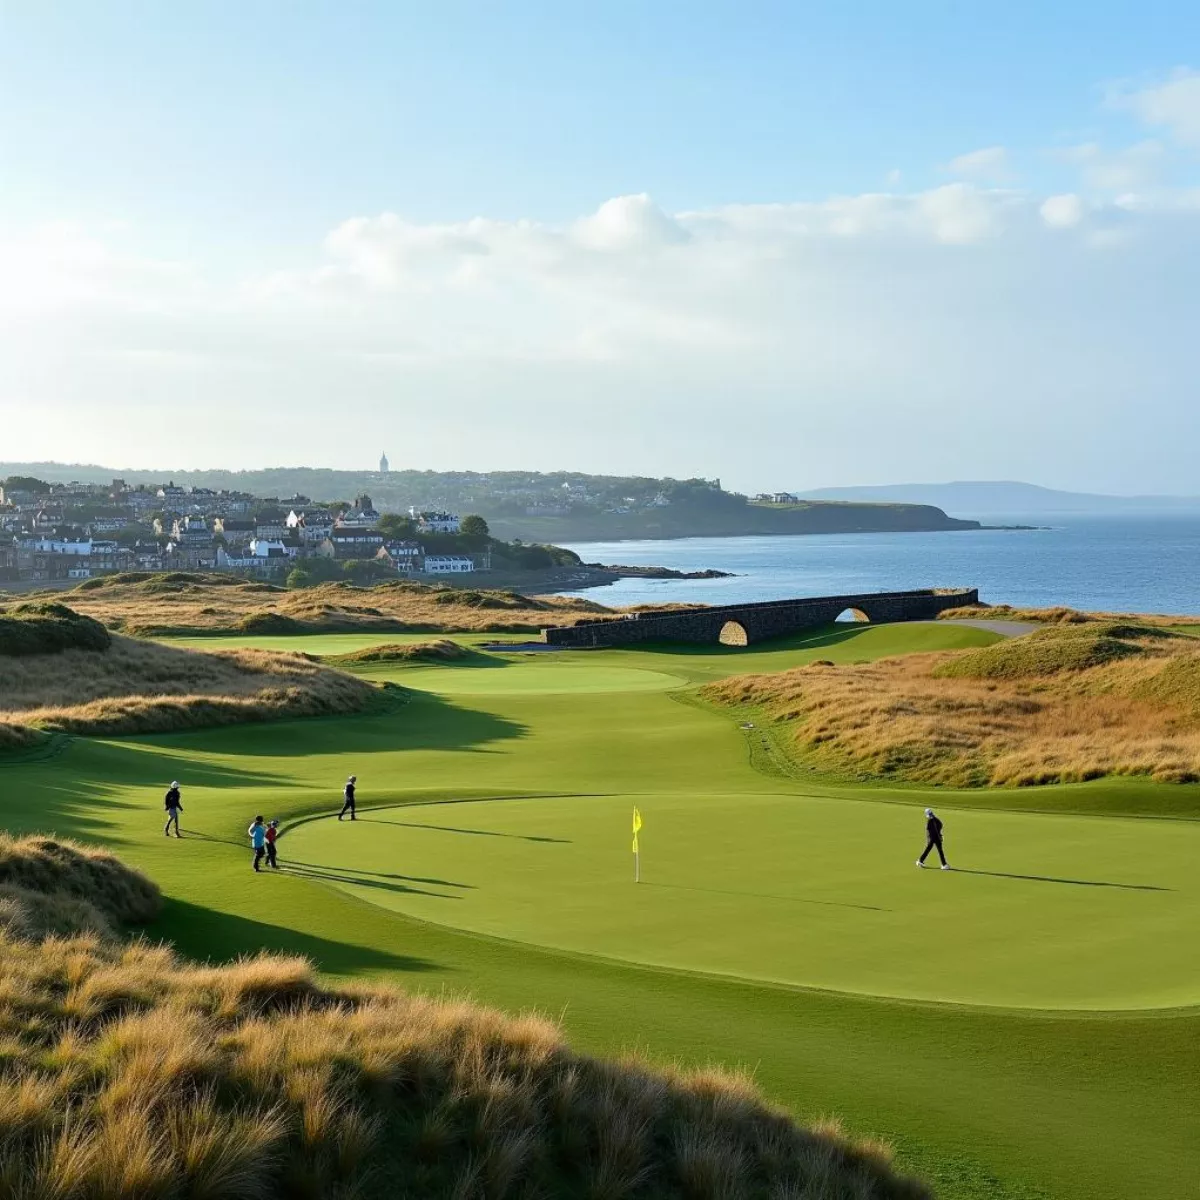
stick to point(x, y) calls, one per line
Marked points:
point(55, 533)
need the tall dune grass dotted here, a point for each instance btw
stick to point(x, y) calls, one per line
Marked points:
point(180, 602)
point(144, 687)
point(1071, 702)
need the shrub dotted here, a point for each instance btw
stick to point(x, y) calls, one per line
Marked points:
point(266, 622)
point(49, 629)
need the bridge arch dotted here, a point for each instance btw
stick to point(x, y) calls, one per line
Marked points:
point(849, 616)
point(733, 633)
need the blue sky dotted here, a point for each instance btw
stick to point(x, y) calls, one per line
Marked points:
point(853, 220)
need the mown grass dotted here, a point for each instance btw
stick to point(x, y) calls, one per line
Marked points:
point(211, 603)
point(1071, 702)
point(126, 1071)
point(144, 687)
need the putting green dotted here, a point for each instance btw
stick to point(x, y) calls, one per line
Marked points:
point(1045, 912)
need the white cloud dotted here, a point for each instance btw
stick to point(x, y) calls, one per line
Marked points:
point(1128, 168)
point(1062, 212)
point(1172, 103)
point(989, 165)
point(817, 317)
point(629, 223)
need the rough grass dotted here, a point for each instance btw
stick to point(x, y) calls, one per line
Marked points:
point(143, 687)
point(48, 629)
point(1059, 615)
point(442, 650)
point(125, 1071)
point(180, 603)
point(1071, 702)
point(57, 886)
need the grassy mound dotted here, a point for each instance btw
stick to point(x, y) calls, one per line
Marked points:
point(143, 687)
point(211, 603)
point(1071, 702)
point(54, 886)
point(48, 629)
point(1050, 651)
point(442, 650)
point(268, 622)
point(127, 1071)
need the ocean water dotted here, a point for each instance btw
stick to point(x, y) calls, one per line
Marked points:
point(1114, 563)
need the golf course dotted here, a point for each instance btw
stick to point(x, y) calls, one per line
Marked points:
point(1023, 1026)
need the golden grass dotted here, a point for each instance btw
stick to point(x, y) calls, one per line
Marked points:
point(179, 603)
point(57, 886)
point(143, 687)
point(1068, 703)
point(1058, 616)
point(126, 1071)
point(442, 650)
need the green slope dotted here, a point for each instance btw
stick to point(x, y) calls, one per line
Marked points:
point(992, 1102)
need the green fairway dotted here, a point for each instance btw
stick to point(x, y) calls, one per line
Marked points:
point(1007, 1025)
point(814, 892)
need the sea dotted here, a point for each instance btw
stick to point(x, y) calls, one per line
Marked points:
point(1137, 563)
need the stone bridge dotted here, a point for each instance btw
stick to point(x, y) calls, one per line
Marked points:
point(741, 624)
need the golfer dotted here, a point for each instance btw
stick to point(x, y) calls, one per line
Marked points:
point(272, 834)
point(933, 831)
point(258, 839)
point(348, 793)
point(174, 806)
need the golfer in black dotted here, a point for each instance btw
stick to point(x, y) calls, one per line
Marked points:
point(933, 831)
point(174, 806)
point(348, 806)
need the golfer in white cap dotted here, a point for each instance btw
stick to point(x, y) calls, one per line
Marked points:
point(174, 806)
point(933, 831)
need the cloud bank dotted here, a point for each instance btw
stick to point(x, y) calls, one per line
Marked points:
point(973, 328)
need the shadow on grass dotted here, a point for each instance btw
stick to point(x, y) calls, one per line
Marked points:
point(681, 887)
point(203, 934)
point(470, 659)
point(427, 722)
point(806, 639)
point(520, 837)
point(356, 871)
point(339, 875)
point(1127, 887)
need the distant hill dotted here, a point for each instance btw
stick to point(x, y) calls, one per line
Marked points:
point(553, 507)
point(994, 497)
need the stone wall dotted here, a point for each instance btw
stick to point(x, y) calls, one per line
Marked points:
point(773, 618)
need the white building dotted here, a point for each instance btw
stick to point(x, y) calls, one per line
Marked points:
point(313, 524)
point(434, 522)
point(448, 564)
point(270, 548)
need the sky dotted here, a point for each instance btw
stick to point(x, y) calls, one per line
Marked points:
point(789, 245)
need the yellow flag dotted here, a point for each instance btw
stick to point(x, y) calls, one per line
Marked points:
point(637, 824)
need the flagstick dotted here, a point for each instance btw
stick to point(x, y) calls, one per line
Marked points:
point(637, 866)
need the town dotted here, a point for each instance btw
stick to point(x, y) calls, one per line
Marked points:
point(57, 533)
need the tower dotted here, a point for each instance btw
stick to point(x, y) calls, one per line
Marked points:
point(383, 465)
